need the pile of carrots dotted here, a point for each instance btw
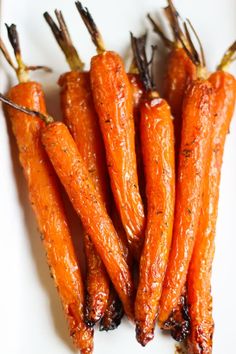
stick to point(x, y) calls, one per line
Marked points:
point(142, 172)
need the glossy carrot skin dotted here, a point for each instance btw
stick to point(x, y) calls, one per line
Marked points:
point(199, 276)
point(80, 117)
point(198, 121)
point(180, 72)
point(157, 138)
point(114, 105)
point(48, 207)
point(76, 179)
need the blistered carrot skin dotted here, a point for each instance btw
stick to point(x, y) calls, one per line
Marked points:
point(157, 138)
point(74, 176)
point(197, 126)
point(180, 72)
point(199, 276)
point(114, 105)
point(80, 116)
point(47, 204)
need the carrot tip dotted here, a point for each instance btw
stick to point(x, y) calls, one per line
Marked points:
point(112, 317)
point(143, 336)
point(179, 322)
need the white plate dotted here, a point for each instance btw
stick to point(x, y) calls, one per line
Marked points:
point(31, 319)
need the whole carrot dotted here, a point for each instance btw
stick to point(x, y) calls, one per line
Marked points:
point(199, 276)
point(180, 69)
point(45, 199)
point(198, 119)
point(73, 174)
point(157, 140)
point(80, 117)
point(113, 102)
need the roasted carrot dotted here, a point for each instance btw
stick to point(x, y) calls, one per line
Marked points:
point(180, 69)
point(80, 117)
point(45, 199)
point(71, 170)
point(73, 174)
point(199, 276)
point(157, 141)
point(113, 102)
point(197, 119)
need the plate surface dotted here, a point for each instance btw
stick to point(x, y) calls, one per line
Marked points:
point(31, 318)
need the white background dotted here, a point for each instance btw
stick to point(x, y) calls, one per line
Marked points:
point(31, 319)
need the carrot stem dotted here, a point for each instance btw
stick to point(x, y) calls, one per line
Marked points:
point(168, 43)
point(7, 55)
point(46, 118)
point(228, 58)
point(63, 38)
point(91, 27)
point(21, 71)
point(140, 57)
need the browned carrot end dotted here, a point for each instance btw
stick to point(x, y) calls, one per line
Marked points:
point(98, 285)
point(179, 322)
point(113, 314)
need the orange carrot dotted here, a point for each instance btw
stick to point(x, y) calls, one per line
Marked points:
point(199, 276)
point(46, 201)
point(157, 139)
point(80, 117)
point(198, 121)
point(114, 105)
